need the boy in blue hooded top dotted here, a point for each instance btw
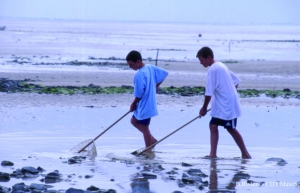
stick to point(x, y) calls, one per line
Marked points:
point(146, 81)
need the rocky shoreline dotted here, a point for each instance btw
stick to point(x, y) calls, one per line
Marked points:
point(192, 176)
point(47, 180)
point(147, 171)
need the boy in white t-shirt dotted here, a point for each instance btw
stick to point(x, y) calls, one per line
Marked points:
point(146, 81)
point(225, 106)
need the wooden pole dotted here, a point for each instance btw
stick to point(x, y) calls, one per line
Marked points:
point(156, 57)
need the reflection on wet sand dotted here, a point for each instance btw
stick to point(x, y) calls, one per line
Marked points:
point(215, 187)
point(140, 185)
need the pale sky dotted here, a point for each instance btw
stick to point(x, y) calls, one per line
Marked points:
point(243, 12)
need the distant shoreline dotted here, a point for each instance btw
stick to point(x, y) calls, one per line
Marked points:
point(147, 22)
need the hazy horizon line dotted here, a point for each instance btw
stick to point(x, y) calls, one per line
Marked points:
point(157, 22)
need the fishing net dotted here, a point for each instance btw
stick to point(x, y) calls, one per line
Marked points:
point(137, 152)
point(140, 153)
point(90, 151)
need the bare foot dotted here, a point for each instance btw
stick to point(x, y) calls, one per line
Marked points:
point(210, 157)
point(246, 156)
point(148, 154)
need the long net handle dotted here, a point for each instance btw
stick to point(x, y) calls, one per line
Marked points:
point(169, 135)
point(103, 132)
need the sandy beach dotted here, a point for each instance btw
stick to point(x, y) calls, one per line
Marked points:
point(269, 75)
point(41, 129)
point(258, 75)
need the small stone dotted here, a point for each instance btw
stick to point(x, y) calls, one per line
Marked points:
point(73, 161)
point(4, 177)
point(88, 176)
point(20, 187)
point(172, 172)
point(205, 183)
point(5, 189)
point(30, 170)
point(73, 190)
point(242, 176)
point(93, 188)
point(186, 164)
point(279, 161)
point(180, 184)
point(250, 182)
point(149, 175)
point(53, 177)
point(17, 174)
point(7, 163)
point(38, 186)
point(110, 191)
point(200, 187)
point(41, 170)
point(196, 172)
point(187, 179)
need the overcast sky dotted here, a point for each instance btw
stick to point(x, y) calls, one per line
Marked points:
point(243, 12)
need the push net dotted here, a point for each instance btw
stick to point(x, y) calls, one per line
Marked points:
point(89, 151)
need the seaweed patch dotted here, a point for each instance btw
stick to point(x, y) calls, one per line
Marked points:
point(23, 86)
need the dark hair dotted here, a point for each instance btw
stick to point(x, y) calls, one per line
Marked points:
point(205, 52)
point(134, 56)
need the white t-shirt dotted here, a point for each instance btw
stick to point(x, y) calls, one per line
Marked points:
point(145, 81)
point(220, 86)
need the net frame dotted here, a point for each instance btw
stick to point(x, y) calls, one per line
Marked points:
point(90, 151)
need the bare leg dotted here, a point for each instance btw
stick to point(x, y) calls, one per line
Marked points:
point(214, 138)
point(148, 138)
point(240, 142)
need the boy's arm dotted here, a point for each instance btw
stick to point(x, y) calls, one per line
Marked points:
point(160, 76)
point(203, 110)
point(157, 85)
point(235, 79)
point(133, 104)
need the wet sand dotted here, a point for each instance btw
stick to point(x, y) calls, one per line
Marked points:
point(41, 129)
point(39, 133)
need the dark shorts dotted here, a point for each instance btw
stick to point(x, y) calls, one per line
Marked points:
point(144, 121)
point(227, 124)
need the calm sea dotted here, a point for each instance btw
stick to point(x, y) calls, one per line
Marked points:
point(175, 41)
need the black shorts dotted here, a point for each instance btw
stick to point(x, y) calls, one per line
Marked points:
point(227, 124)
point(143, 121)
